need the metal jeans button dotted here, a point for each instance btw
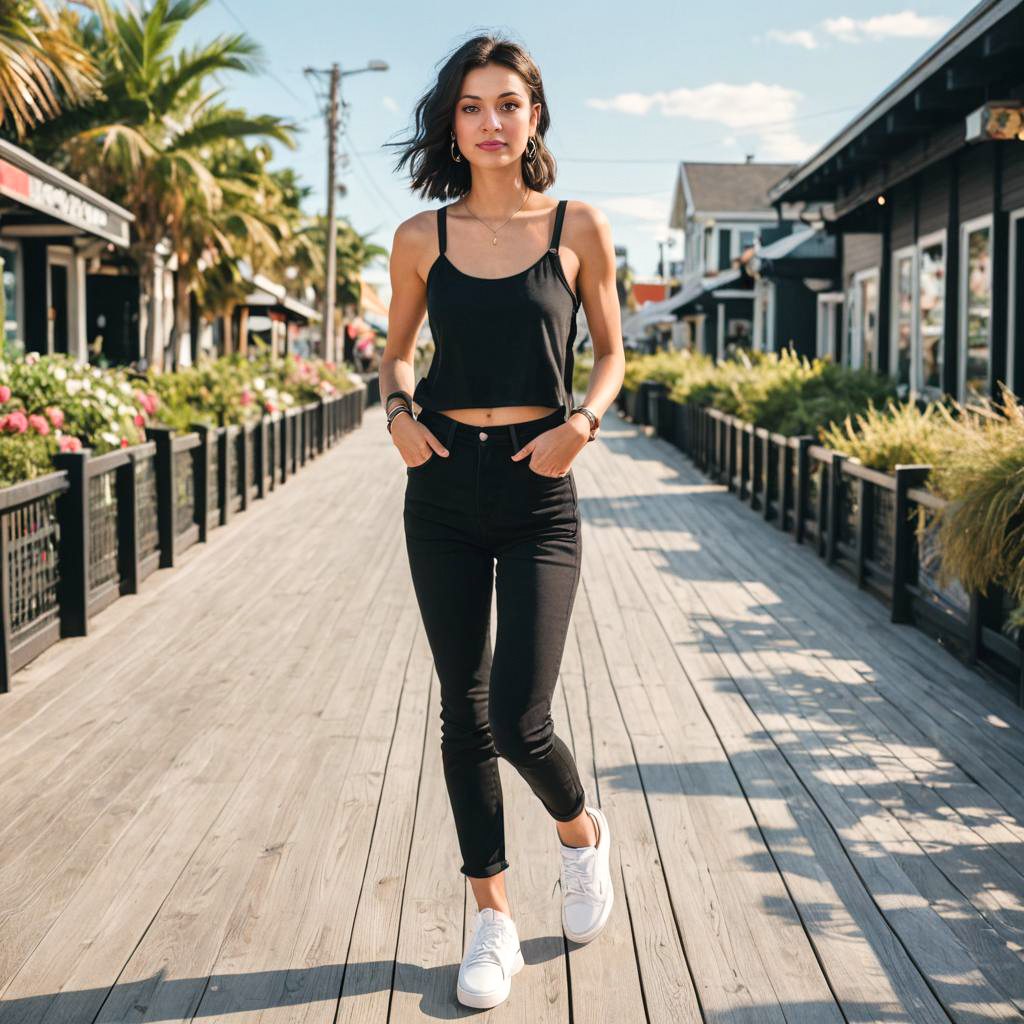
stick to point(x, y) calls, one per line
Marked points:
point(483, 435)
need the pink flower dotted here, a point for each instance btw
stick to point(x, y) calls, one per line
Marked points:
point(246, 396)
point(17, 422)
point(70, 443)
point(269, 406)
point(140, 420)
point(39, 423)
point(124, 442)
point(5, 394)
point(56, 415)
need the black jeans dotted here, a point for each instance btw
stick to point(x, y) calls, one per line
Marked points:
point(463, 513)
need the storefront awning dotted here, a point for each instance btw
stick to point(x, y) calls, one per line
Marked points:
point(272, 295)
point(38, 189)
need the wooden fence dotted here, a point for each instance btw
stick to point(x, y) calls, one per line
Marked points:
point(76, 539)
point(859, 520)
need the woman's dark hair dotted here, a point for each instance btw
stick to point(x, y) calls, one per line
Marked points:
point(434, 173)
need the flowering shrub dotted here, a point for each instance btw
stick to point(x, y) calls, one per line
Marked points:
point(50, 404)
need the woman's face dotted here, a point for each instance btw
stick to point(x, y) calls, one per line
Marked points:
point(494, 106)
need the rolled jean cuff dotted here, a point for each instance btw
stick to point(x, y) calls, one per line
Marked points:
point(493, 869)
point(580, 804)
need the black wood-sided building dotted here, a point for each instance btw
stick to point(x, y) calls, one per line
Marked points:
point(924, 191)
point(55, 236)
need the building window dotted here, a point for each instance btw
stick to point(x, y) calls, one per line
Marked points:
point(830, 318)
point(12, 281)
point(904, 307)
point(864, 321)
point(1015, 334)
point(975, 333)
point(931, 287)
point(764, 316)
point(724, 248)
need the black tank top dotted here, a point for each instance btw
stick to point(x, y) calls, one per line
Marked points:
point(500, 340)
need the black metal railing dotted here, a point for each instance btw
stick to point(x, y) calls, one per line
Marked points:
point(859, 520)
point(74, 540)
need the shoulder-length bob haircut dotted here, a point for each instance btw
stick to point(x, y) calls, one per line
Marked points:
point(434, 174)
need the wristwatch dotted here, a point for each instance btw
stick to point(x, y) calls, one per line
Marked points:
point(595, 420)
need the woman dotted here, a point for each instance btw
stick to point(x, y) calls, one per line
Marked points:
point(490, 494)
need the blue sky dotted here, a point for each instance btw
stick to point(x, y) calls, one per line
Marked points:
point(631, 91)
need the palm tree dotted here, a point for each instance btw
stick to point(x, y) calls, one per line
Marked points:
point(43, 66)
point(148, 141)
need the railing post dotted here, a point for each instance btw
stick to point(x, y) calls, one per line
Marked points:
point(73, 552)
point(903, 567)
point(163, 470)
point(803, 443)
point(126, 483)
point(202, 453)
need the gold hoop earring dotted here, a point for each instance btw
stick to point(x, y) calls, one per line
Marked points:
point(531, 153)
point(457, 159)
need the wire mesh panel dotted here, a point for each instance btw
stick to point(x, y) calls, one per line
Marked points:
point(146, 506)
point(212, 473)
point(849, 511)
point(32, 536)
point(185, 490)
point(883, 526)
point(103, 529)
point(928, 570)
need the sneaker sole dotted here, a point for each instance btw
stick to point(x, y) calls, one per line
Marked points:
point(485, 1000)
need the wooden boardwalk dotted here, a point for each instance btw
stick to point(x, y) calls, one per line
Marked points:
point(227, 802)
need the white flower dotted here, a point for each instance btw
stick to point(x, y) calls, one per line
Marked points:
point(59, 373)
point(126, 388)
point(110, 438)
point(31, 358)
point(97, 372)
point(72, 387)
point(259, 383)
point(86, 384)
point(288, 398)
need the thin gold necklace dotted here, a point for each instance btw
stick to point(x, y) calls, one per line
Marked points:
point(494, 231)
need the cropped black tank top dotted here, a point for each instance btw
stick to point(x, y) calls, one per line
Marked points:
point(500, 340)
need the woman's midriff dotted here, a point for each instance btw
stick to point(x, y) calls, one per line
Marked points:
point(499, 416)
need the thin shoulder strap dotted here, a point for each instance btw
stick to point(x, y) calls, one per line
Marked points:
point(557, 233)
point(442, 229)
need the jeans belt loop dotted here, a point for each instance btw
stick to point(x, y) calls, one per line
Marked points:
point(515, 437)
point(453, 426)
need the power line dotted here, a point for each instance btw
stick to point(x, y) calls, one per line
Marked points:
point(269, 70)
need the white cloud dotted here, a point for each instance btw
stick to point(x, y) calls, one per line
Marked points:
point(903, 25)
point(800, 37)
point(764, 112)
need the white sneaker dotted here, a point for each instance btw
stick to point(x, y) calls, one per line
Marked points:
point(492, 957)
point(587, 884)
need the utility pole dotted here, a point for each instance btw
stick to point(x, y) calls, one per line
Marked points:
point(331, 272)
point(331, 284)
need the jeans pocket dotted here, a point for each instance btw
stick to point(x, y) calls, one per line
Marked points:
point(419, 465)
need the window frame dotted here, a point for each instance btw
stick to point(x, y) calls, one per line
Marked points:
point(856, 283)
point(1015, 265)
point(14, 245)
point(967, 228)
point(828, 324)
point(926, 242)
point(900, 254)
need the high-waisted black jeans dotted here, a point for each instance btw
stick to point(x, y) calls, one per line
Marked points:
point(463, 513)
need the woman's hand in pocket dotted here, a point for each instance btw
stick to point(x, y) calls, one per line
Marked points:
point(416, 442)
